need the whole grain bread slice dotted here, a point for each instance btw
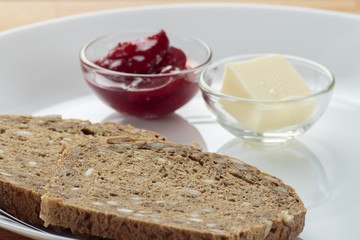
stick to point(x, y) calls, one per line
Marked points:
point(137, 188)
point(29, 151)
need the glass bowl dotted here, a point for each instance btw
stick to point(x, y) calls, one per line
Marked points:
point(144, 95)
point(285, 119)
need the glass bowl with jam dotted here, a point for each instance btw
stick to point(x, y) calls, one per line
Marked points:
point(144, 73)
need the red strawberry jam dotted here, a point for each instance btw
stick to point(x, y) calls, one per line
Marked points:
point(149, 55)
point(163, 89)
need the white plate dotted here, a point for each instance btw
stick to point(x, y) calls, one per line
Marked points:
point(40, 74)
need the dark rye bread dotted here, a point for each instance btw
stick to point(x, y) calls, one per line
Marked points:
point(136, 188)
point(29, 151)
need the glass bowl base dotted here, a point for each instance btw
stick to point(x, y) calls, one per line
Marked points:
point(270, 137)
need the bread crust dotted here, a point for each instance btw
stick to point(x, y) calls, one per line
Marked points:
point(20, 202)
point(95, 223)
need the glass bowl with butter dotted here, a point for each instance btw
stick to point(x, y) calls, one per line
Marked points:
point(266, 97)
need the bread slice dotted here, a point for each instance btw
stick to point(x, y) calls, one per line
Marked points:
point(29, 151)
point(137, 188)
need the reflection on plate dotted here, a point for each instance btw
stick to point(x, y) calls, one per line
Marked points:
point(40, 74)
point(168, 126)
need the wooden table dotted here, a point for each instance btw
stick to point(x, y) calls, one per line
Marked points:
point(14, 13)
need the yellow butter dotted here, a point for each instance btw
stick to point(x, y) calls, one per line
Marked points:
point(267, 78)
